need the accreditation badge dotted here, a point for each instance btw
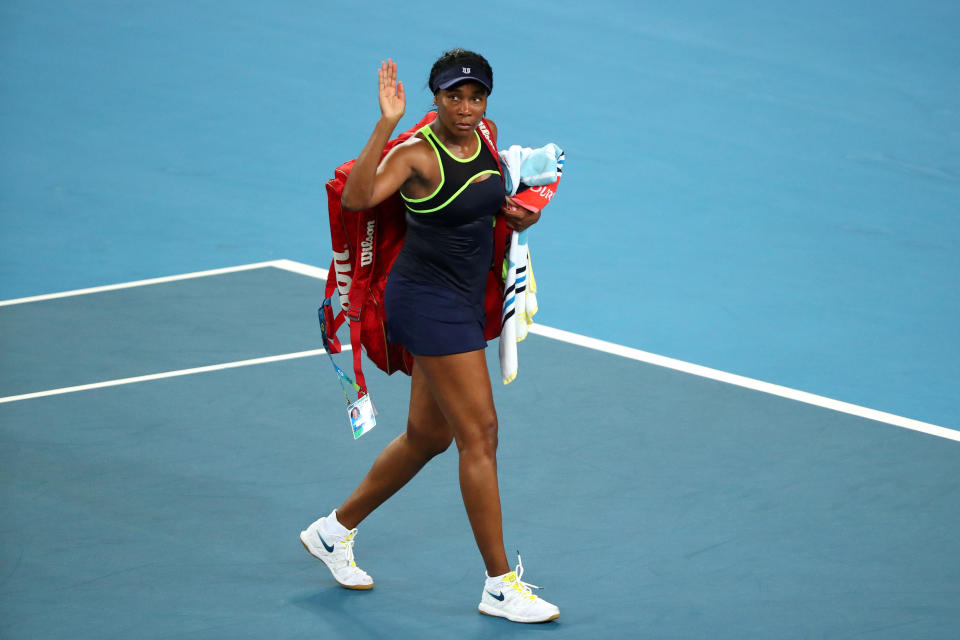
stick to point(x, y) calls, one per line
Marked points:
point(362, 416)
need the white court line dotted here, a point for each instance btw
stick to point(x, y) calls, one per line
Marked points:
point(741, 381)
point(539, 329)
point(288, 265)
point(168, 374)
point(302, 269)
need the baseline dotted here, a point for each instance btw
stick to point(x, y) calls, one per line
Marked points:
point(742, 381)
point(539, 329)
point(712, 374)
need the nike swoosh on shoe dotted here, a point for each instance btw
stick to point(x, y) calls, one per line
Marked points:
point(324, 542)
point(496, 597)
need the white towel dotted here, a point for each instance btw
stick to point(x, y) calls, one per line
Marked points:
point(532, 168)
point(517, 309)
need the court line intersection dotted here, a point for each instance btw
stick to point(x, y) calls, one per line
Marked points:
point(538, 329)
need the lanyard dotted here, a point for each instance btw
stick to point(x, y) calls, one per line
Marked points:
point(341, 376)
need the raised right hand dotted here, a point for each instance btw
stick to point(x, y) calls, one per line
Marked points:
point(392, 101)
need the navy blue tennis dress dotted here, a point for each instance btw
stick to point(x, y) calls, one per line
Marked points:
point(435, 290)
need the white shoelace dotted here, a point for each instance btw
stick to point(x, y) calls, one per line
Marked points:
point(524, 586)
point(348, 547)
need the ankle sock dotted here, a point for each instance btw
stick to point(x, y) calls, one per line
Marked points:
point(332, 526)
point(495, 579)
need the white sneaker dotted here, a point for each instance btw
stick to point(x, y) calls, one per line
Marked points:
point(512, 599)
point(337, 553)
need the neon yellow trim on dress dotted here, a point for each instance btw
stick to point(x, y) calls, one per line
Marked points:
point(471, 158)
point(458, 192)
point(425, 130)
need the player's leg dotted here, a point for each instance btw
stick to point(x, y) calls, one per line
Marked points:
point(461, 386)
point(331, 538)
point(427, 435)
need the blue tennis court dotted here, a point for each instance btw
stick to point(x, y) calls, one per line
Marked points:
point(170, 506)
point(736, 418)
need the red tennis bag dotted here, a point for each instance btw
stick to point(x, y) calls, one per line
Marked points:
point(365, 245)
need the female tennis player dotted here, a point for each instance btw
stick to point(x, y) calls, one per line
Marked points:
point(434, 296)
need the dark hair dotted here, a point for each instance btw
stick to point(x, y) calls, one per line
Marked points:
point(458, 57)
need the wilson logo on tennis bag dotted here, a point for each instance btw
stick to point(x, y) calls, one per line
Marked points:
point(365, 245)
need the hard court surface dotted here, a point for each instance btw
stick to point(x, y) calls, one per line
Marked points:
point(737, 417)
point(648, 502)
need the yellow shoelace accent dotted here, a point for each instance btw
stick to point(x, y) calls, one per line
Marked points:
point(514, 579)
point(349, 542)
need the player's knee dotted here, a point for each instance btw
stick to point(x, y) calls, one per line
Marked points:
point(480, 438)
point(429, 444)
